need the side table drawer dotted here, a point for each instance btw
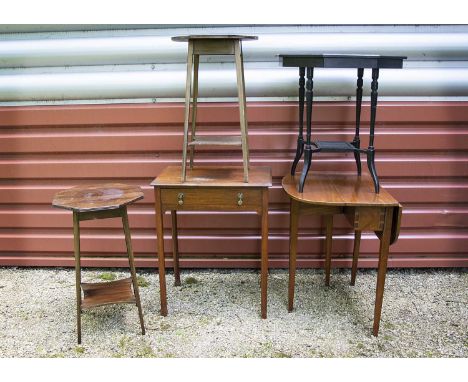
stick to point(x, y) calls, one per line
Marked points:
point(231, 199)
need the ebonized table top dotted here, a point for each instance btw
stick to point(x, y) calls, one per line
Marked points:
point(341, 61)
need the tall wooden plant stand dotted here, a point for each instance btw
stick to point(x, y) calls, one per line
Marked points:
point(102, 202)
point(330, 194)
point(213, 45)
point(210, 189)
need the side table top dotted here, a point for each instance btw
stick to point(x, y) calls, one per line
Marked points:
point(342, 61)
point(213, 37)
point(204, 176)
point(97, 197)
point(343, 189)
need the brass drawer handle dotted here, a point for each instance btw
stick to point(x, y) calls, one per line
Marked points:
point(180, 198)
point(240, 197)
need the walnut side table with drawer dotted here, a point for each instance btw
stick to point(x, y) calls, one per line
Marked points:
point(210, 189)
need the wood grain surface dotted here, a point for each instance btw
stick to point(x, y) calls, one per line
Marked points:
point(204, 176)
point(97, 197)
point(345, 189)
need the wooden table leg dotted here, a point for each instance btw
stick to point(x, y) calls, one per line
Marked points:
point(131, 261)
point(76, 245)
point(264, 262)
point(242, 108)
point(161, 259)
point(196, 60)
point(175, 249)
point(188, 91)
point(357, 244)
point(293, 231)
point(328, 247)
point(382, 270)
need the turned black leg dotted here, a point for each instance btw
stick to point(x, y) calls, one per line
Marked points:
point(305, 169)
point(371, 165)
point(300, 138)
point(371, 150)
point(356, 141)
point(308, 143)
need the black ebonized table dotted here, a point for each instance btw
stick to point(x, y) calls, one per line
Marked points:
point(309, 62)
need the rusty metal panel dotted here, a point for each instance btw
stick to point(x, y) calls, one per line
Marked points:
point(422, 160)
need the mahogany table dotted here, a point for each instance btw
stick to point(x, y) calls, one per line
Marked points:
point(329, 194)
point(360, 62)
point(210, 189)
point(102, 201)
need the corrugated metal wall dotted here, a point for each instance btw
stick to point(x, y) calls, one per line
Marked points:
point(422, 160)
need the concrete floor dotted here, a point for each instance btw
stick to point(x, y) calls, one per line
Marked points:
point(217, 314)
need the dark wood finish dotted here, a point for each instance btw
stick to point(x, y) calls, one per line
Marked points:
point(360, 62)
point(342, 61)
point(213, 45)
point(98, 197)
point(101, 202)
point(210, 189)
point(330, 194)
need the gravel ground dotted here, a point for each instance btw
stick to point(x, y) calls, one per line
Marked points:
point(217, 314)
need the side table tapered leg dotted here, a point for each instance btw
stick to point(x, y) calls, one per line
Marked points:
point(300, 137)
point(293, 232)
point(175, 249)
point(161, 257)
point(76, 244)
point(131, 261)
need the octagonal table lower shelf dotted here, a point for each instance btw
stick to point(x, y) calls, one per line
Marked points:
point(112, 292)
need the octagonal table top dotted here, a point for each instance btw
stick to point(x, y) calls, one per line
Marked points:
point(97, 197)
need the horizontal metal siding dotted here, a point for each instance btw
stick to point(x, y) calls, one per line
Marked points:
point(422, 160)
